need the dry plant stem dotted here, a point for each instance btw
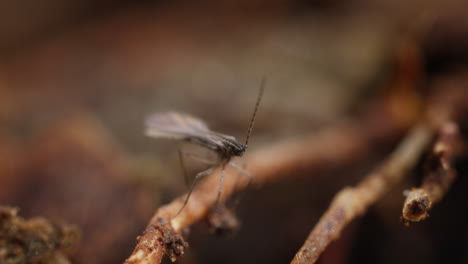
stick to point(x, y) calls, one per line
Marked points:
point(439, 176)
point(272, 163)
point(353, 201)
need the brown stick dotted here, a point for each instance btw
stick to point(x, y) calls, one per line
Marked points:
point(353, 201)
point(447, 102)
point(269, 164)
point(439, 176)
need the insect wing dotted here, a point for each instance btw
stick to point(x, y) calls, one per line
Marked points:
point(175, 125)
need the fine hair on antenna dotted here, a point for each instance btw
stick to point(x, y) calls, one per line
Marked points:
point(183, 127)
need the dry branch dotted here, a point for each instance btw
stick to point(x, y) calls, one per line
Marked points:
point(447, 102)
point(269, 164)
point(351, 202)
point(439, 176)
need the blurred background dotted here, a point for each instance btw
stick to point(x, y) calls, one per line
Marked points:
point(77, 79)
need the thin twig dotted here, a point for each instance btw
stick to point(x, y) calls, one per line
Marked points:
point(447, 102)
point(269, 164)
point(353, 201)
point(439, 176)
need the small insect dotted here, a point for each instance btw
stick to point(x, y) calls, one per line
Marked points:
point(184, 127)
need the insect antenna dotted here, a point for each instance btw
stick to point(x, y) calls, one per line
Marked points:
point(252, 121)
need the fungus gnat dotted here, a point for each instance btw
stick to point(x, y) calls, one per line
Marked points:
point(184, 127)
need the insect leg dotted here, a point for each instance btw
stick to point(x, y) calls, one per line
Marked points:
point(183, 154)
point(220, 186)
point(242, 171)
point(182, 163)
point(197, 177)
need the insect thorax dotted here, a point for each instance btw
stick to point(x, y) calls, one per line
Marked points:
point(232, 147)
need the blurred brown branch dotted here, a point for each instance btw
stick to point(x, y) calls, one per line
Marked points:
point(439, 176)
point(351, 202)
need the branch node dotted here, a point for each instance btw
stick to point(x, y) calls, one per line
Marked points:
point(439, 176)
point(174, 243)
